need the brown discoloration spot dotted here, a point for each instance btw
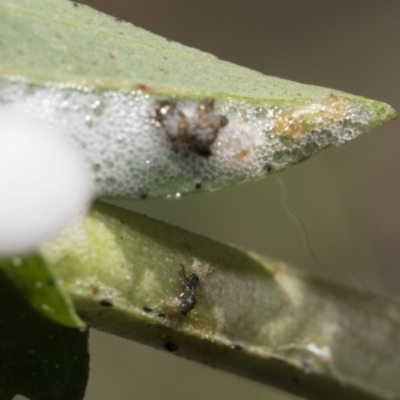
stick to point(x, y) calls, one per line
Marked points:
point(243, 155)
point(195, 133)
point(143, 87)
point(111, 55)
point(294, 121)
point(95, 290)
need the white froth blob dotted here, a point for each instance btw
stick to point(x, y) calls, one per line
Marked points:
point(44, 182)
point(140, 145)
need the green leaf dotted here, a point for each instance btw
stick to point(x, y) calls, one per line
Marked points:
point(39, 359)
point(36, 283)
point(131, 100)
point(62, 41)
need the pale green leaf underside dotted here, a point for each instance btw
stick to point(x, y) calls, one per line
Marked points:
point(101, 80)
point(255, 317)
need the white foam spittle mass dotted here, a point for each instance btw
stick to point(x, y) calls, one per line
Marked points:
point(45, 183)
point(138, 145)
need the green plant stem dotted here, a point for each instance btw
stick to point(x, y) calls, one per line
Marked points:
point(254, 317)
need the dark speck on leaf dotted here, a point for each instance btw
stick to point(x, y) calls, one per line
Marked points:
point(168, 40)
point(118, 19)
point(143, 87)
point(268, 167)
point(143, 196)
point(198, 185)
point(106, 303)
point(160, 315)
point(237, 346)
point(75, 4)
point(170, 346)
point(147, 309)
point(51, 282)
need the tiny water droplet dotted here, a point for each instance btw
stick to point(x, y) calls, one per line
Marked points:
point(97, 107)
point(95, 104)
point(88, 120)
point(16, 261)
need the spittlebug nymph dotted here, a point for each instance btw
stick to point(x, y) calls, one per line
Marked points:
point(191, 127)
point(188, 298)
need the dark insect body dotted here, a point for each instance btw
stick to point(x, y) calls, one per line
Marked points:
point(188, 298)
point(192, 129)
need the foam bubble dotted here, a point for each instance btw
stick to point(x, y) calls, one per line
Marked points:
point(132, 153)
point(44, 182)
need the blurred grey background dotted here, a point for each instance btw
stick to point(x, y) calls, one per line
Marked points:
point(348, 198)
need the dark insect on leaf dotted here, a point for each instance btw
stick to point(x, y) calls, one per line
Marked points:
point(190, 126)
point(188, 298)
